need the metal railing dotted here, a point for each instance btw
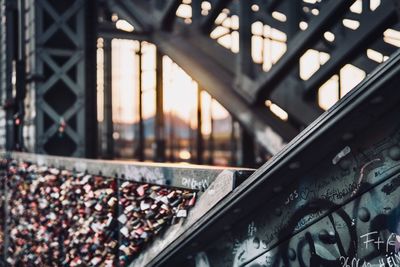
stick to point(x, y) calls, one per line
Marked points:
point(77, 212)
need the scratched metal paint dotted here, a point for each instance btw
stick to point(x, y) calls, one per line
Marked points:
point(177, 175)
point(310, 197)
point(347, 239)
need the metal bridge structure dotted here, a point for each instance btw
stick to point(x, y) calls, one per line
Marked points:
point(50, 45)
point(329, 194)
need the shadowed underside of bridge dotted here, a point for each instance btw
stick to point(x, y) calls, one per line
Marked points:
point(342, 31)
point(329, 198)
point(269, 63)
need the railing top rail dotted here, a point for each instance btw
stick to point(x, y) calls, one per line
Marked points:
point(189, 176)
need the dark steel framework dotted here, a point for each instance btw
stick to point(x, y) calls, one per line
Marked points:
point(235, 80)
point(64, 55)
point(7, 52)
point(54, 59)
point(49, 47)
point(317, 201)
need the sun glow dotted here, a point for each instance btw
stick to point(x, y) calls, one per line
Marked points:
point(180, 90)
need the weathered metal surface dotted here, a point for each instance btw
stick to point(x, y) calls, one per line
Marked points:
point(62, 53)
point(127, 184)
point(176, 175)
point(7, 51)
point(221, 187)
point(329, 199)
point(367, 167)
point(240, 84)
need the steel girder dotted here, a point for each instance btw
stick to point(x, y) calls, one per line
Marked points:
point(269, 130)
point(214, 69)
point(7, 46)
point(62, 54)
point(234, 78)
point(315, 202)
point(303, 40)
point(384, 16)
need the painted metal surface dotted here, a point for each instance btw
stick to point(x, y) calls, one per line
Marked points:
point(7, 47)
point(60, 51)
point(327, 213)
point(209, 184)
point(237, 81)
point(176, 175)
point(331, 198)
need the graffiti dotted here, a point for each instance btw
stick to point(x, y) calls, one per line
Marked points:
point(334, 194)
point(251, 230)
point(374, 238)
point(391, 260)
point(353, 262)
point(335, 242)
point(362, 173)
point(201, 260)
point(195, 183)
point(301, 194)
point(154, 176)
point(340, 212)
point(391, 187)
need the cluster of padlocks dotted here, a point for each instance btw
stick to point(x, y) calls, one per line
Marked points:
point(2, 217)
point(146, 210)
point(58, 217)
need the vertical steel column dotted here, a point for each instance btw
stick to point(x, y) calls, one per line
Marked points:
point(20, 79)
point(171, 136)
point(89, 135)
point(64, 56)
point(7, 38)
point(196, 11)
point(294, 11)
point(233, 143)
point(109, 128)
point(159, 129)
point(141, 146)
point(245, 64)
point(248, 149)
point(211, 137)
point(245, 71)
point(31, 77)
point(199, 135)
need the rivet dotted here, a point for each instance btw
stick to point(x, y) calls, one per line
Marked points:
point(294, 165)
point(376, 100)
point(345, 164)
point(364, 214)
point(394, 152)
point(327, 237)
point(278, 212)
point(256, 243)
point(237, 210)
point(347, 136)
point(291, 254)
point(277, 189)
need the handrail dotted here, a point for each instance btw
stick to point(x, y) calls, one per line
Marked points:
point(369, 112)
point(190, 176)
point(120, 204)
